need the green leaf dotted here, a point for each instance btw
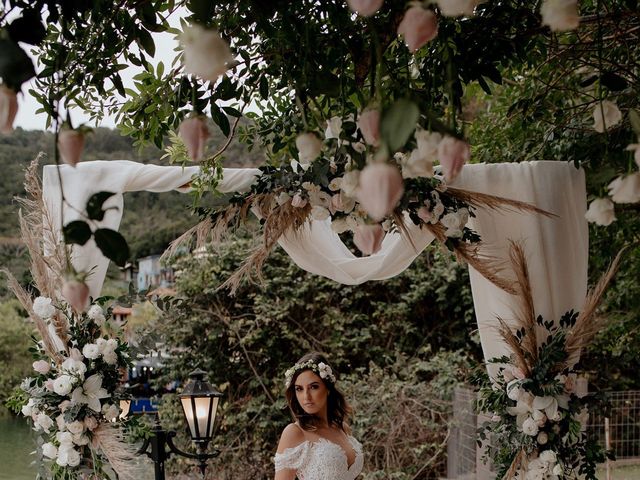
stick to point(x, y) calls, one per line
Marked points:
point(76, 232)
point(232, 111)
point(94, 205)
point(220, 119)
point(634, 118)
point(146, 41)
point(613, 82)
point(264, 87)
point(112, 245)
point(398, 123)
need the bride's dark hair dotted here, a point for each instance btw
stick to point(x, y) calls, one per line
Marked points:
point(338, 409)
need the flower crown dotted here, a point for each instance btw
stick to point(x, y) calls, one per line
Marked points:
point(322, 369)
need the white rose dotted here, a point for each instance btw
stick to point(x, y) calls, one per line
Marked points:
point(558, 470)
point(75, 427)
point(601, 212)
point(309, 147)
point(28, 409)
point(350, 182)
point(548, 456)
point(68, 457)
point(62, 426)
point(319, 213)
point(455, 222)
point(457, 8)
point(530, 427)
point(42, 366)
point(44, 422)
point(416, 165)
point(560, 15)
point(91, 351)
point(339, 225)
point(110, 357)
point(96, 314)
point(428, 143)
point(605, 116)
point(43, 308)
point(334, 127)
point(206, 54)
point(625, 189)
point(80, 439)
point(63, 385)
point(65, 439)
point(49, 450)
point(513, 389)
point(542, 438)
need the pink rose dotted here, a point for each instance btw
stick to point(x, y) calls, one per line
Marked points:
point(194, 133)
point(380, 189)
point(453, 154)
point(8, 108)
point(76, 293)
point(41, 366)
point(368, 238)
point(425, 214)
point(49, 384)
point(298, 201)
point(365, 8)
point(70, 145)
point(517, 373)
point(369, 125)
point(91, 423)
point(418, 26)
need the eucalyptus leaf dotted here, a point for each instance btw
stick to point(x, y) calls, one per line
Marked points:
point(398, 123)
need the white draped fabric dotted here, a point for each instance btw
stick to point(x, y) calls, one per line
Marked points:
point(556, 247)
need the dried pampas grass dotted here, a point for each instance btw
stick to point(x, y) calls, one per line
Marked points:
point(110, 442)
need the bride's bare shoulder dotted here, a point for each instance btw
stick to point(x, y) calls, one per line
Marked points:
point(292, 436)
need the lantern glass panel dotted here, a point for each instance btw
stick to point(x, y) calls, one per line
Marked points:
point(203, 416)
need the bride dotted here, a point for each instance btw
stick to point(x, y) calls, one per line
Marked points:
point(318, 445)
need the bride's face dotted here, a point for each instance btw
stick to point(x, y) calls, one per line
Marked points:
point(311, 392)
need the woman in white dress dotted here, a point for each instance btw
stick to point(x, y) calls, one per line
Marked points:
point(318, 445)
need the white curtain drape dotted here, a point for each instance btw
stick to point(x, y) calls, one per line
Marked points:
point(556, 247)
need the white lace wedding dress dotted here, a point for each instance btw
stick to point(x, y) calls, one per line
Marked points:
point(321, 459)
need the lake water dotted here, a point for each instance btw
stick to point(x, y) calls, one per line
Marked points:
point(16, 444)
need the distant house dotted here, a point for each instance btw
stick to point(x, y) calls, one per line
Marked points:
point(152, 274)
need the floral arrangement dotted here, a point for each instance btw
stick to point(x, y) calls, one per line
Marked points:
point(538, 409)
point(322, 369)
point(73, 398)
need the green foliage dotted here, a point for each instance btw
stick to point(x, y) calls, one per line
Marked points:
point(15, 340)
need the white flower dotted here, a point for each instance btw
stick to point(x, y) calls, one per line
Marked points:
point(319, 213)
point(457, 8)
point(335, 183)
point(74, 367)
point(282, 198)
point(601, 212)
point(334, 127)
point(44, 422)
point(455, 222)
point(63, 384)
point(542, 438)
point(359, 147)
point(416, 165)
point(80, 439)
point(513, 390)
point(625, 189)
point(62, 426)
point(350, 182)
point(606, 116)
point(29, 409)
point(43, 308)
point(309, 147)
point(91, 351)
point(548, 404)
point(339, 225)
point(548, 456)
point(560, 15)
point(206, 54)
point(635, 148)
point(68, 456)
point(320, 199)
point(65, 439)
point(49, 450)
point(42, 366)
point(530, 427)
point(428, 143)
point(96, 314)
point(558, 470)
point(90, 393)
point(111, 412)
point(76, 427)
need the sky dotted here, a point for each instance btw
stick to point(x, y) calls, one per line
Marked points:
point(27, 117)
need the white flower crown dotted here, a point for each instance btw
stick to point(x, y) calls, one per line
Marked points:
point(322, 369)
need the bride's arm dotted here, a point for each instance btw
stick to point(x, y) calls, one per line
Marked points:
point(292, 436)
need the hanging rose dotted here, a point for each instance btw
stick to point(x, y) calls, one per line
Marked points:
point(368, 238)
point(76, 293)
point(365, 8)
point(380, 189)
point(369, 125)
point(601, 212)
point(606, 116)
point(8, 108)
point(206, 54)
point(625, 189)
point(309, 147)
point(560, 15)
point(194, 133)
point(334, 127)
point(453, 154)
point(457, 8)
point(635, 148)
point(71, 145)
point(418, 26)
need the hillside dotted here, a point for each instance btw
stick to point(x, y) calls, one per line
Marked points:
point(150, 220)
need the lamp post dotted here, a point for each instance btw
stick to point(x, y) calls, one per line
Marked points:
point(200, 404)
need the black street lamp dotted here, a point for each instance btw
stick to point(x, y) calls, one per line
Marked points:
point(200, 404)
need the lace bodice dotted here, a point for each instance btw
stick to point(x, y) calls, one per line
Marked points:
point(321, 459)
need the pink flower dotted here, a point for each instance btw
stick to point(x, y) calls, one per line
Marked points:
point(8, 108)
point(49, 384)
point(194, 133)
point(380, 189)
point(368, 238)
point(91, 423)
point(457, 8)
point(41, 366)
point(453, 154)
point(365, 8)
point(418, 26)
point(425, 214)
point(369, 125)
point(70, 145)
point(298, 201)
point(76, 293)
